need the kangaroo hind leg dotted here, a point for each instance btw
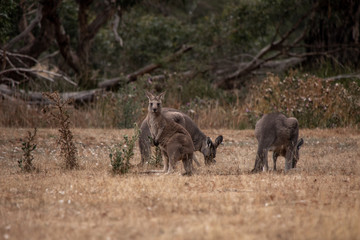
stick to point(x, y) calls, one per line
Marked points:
point(187, 162)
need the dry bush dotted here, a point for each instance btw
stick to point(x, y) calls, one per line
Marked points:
point(17, 113)
point(118, 110)
point(217, 114)
point(25, 163)
point(61, 116)
point(313, 101)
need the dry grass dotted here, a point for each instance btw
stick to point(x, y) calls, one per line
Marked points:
point(319, 200)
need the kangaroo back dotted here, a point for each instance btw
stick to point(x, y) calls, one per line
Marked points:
point(276, 132)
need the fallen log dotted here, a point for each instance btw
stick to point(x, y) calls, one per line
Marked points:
point(37, 98)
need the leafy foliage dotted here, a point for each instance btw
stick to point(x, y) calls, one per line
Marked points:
point(9, 17)
point(25, 163)
point(121, 154)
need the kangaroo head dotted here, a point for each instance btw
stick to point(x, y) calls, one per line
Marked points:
point(297, 149)
point(155, 102)
point(209, 149)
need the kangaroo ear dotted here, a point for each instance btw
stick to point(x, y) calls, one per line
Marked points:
point(161, 95)
point(149, 95)
point(218, 140)
point(208, 142)
point(300, 142)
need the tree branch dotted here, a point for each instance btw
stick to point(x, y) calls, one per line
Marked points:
point(27, 30)
point(273, 46)
point(37, 97)
point(148, 68)
point(37, 71)
point(63, 41)
point(344, 76)
point(88, 31)
point(46, 35)
point(115, 27)
point(100, 20)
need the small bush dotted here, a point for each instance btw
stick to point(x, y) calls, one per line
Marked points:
point(121, 153)
point(312, 100)
point(25, 163)
point(61, 116)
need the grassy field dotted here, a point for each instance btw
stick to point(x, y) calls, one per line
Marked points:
point(318, 200)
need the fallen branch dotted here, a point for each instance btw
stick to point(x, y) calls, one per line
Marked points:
point(275, 46)
point(344, 76)
point(17, 57)
point(275, 66)
point(110, 83)
point(37, 71)
point(24, 69)
point(37, 97)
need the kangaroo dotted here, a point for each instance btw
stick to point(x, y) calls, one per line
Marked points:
point(280, 134)
point(201, 142)
point(175, 142)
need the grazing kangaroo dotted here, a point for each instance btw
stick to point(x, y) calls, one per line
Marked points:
point(201, 142)
point(175, 142)
point(280, 134)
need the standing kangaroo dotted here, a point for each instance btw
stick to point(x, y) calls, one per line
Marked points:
point(280, 134)
point(201, 142)
point(175, 142)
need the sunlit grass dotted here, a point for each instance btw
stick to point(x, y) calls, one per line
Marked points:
point(318, 200)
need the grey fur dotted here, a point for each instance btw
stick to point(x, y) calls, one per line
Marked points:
point(174, 141)
point(201, 142)
point(280, 134)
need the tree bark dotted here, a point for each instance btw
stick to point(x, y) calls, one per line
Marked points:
point(43, 41)
point(51, 28)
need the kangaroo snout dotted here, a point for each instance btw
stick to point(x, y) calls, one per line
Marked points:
point(154, 107)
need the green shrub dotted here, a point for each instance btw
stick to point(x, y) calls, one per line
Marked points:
point(25, 163)
point(121, 153)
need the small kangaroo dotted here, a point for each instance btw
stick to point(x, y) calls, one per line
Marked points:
point(175, 142)
point(280, 134)
point(201, 142)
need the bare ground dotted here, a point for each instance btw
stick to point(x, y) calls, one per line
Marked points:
point(318, 200)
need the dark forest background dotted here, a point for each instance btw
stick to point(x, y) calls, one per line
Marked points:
point(225, 63)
